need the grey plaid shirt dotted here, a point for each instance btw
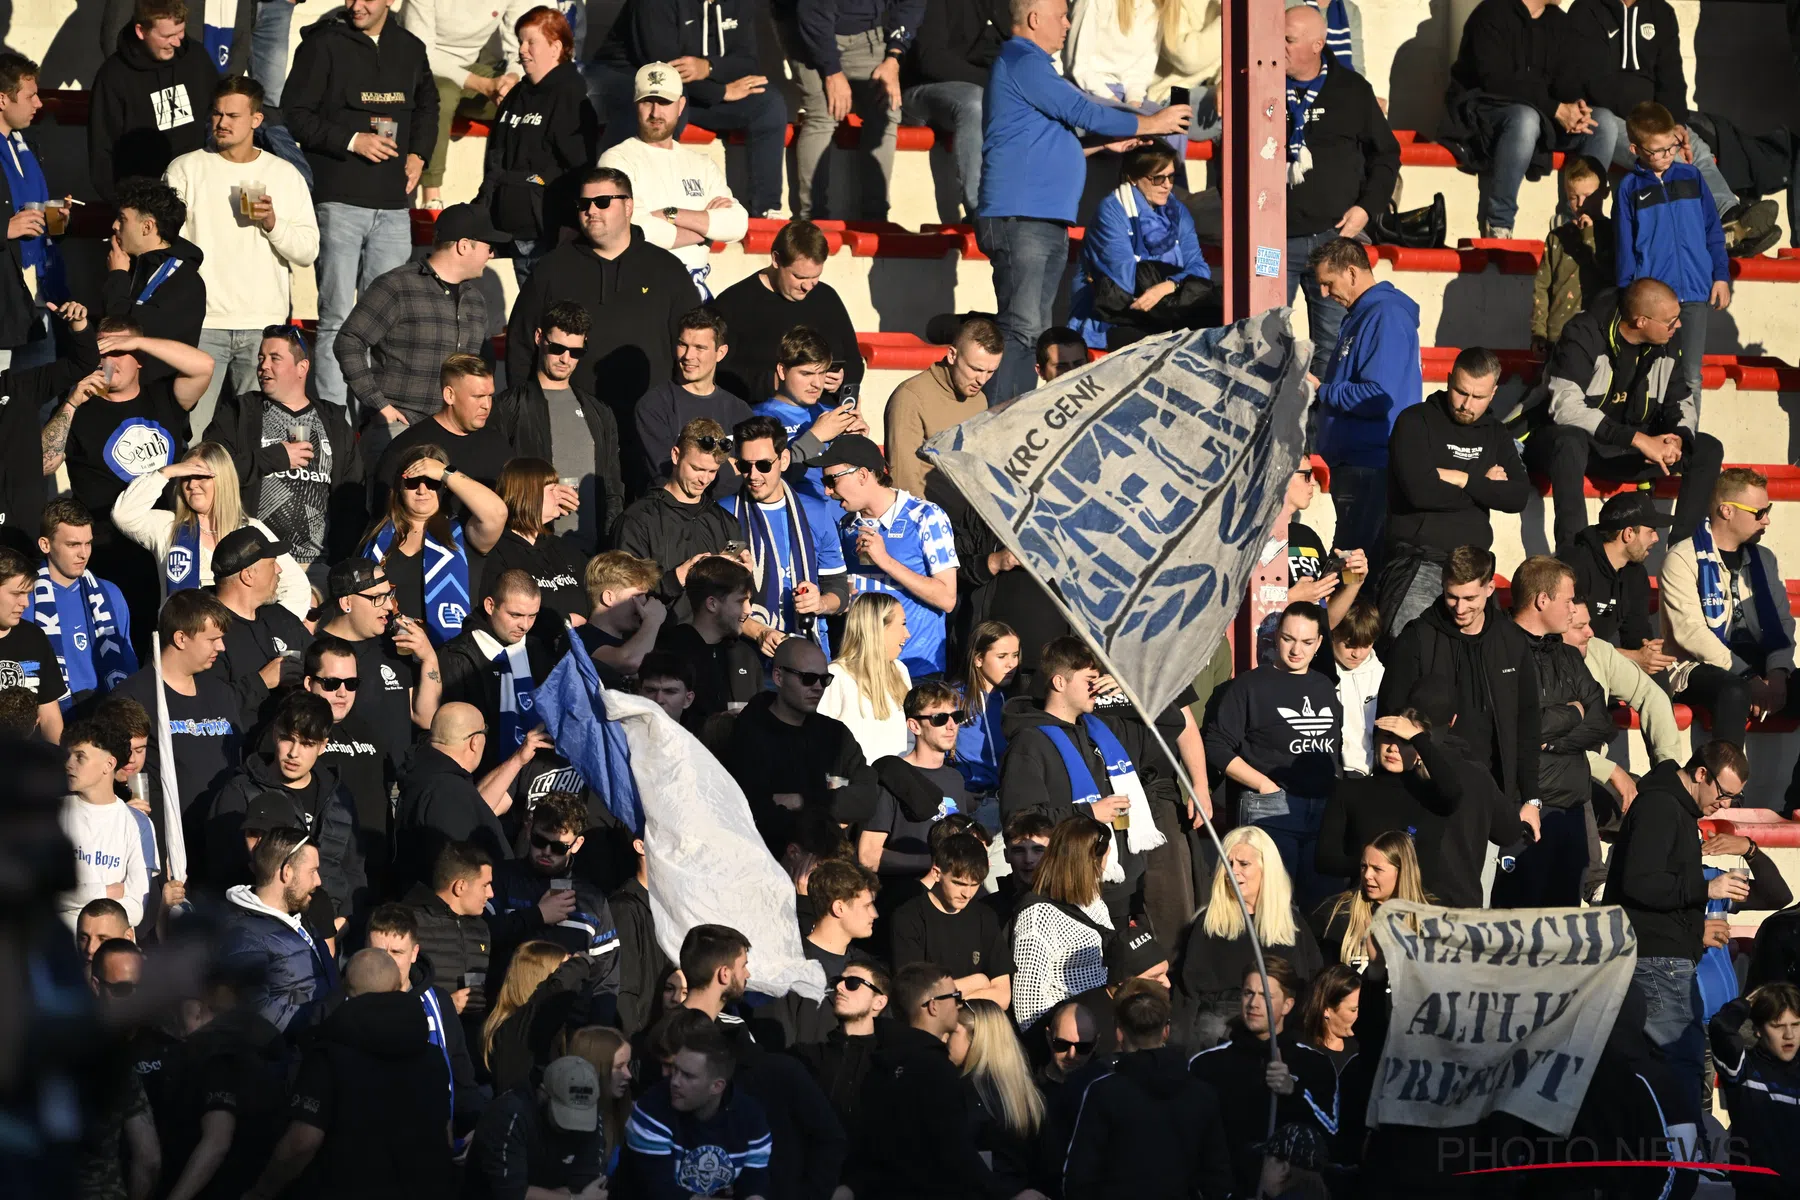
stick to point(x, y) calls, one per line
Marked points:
point(395, 341)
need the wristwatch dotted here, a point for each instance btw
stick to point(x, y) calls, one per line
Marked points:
point(670, 212)
point(449, 470)
point(1537, 804)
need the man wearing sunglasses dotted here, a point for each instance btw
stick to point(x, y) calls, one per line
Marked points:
point(675, 526)
point(353, 749)
point(399, 684)
point(1725, 614)
point(633, 293)
point(917, 791)
point(1621, 409)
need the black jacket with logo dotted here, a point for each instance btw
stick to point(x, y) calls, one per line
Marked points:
point(1355, 156)
point(145, 113)
point(340, 80)
point(1426, 511)
point(546, 131)
point(1586, 390)
point(1629, 56)
point(1568, 732)
point(1618, 600)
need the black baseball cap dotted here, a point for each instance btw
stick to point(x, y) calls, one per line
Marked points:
point(1297, 1145)
point(349, 577)
point(467, 221)
point(1136, 952)
point(853, 450)
point(271, 810)
point(1630, 508)
point(243, 548)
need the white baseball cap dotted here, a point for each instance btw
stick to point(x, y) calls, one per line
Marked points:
point(658, 80)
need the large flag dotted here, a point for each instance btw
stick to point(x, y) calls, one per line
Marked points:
point(707, 862)
point(1139, 489)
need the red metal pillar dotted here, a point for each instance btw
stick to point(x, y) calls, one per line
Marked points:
point(1253, 104)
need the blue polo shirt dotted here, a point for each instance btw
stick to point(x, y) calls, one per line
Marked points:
point(919, 537)
point(1031, 159)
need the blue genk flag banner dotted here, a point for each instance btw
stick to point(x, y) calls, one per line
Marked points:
point(1140, 489)
point(574, 715)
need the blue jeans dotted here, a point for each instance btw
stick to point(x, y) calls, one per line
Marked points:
point(764, 119)
point(279, 141)
point(1028, 257)
point(355, 245)
point(1691, 337)
point(234, 359)
point(269, 46)
point(1324, 316)
point(1512, 151)
point(954, 107)
point(1672, 998)
point(1360, 495)
point(527, 252)
point(1292, 823)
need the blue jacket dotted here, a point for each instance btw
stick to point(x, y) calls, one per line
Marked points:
point(1031, 159)
point(670, 1154)
point(1374, 373)
point(1117, 242)
point(293, 977)
point(1668, 229)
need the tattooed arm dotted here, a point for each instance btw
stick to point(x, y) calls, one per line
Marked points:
point(55, 437)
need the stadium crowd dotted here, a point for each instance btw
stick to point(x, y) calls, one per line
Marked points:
point(282, 603)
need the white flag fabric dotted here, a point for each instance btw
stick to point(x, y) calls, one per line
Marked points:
point(707, 862)
point(1140, 488)
point(1496, 1010)
point(174, 838)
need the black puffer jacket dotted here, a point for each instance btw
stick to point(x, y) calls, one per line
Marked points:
point(144, 113)
point(1568, 732)
point(331, 825)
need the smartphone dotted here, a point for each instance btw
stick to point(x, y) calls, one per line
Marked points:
point(735, 547)
point(1178, 95)
point(1332, 564)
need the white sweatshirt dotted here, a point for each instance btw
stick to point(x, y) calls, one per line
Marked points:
point(456, 34)
point(1099, 57)
point(676, 177)
point(844, 701)
point(248, 271)
point(137, 517)
point(108, 850)
point(1356, 699)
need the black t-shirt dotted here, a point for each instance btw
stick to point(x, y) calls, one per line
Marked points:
point(273, 632)
point(479, 455)
point(407, 573)
point(111, 443)
point(910, 838)
point(726, 673)
point(384, 695)
point(205, 732)
point(558, 568)
point(593, 638)
point(28, 661)
point(1305, 550)
point(971, 942)
point(353, 750)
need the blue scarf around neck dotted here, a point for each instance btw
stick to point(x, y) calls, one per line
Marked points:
point(774, 603)
point(182, 566)
point(114, 660)
point(1711, 581)
point(446, 572)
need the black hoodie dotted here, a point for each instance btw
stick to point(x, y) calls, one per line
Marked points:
point(144, 113)
point(668, 532)
point(1518, 59)
point(440, 803)
point(1655, 873)
point(1426, 511)
point(545, 131)
point(173, 309)
point(328, 816)
point(1629, 56)
point(1618, 600)
point(340, 81)
point(1496, 685)
point(1235, 1069)
point(378, 1088)
point(1148, 1130)
point(914, 1136)
point(768, 757)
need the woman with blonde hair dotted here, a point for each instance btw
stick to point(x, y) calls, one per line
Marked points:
point(532, 963)
point(418, 540)
point(207, 507)
point(610, 1053)
point(1007, 1106)
point(868, 681)
point(534, 498)
point(1062, 931)
point(1210, 971)
point(1390, 868)
point(1113, 45)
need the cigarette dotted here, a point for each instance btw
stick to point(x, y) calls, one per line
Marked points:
point(73, 200)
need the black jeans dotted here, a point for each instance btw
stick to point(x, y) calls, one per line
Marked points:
point(1568, 455)
point(1548, 873)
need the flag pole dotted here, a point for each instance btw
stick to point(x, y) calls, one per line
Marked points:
point(175, 856)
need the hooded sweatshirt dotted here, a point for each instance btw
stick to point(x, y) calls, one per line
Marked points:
point(440, 803)
point(547, 130)
point(168, 301)
point(1655, 873)
point(1148, 1130)
point(292, 974)
point(668, 532)
point(1618, 598)
point(1632, 54)
point(146, 112)
point(1427, 511)
point(341, 80)
point(1374, 375)
point(374, 1083)
point(327, 815)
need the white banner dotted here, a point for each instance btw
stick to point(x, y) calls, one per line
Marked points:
point(1497, 1010)
point(1139, 489)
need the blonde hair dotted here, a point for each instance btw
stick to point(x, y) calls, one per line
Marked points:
point(1397, 847)
point(531, 964)
point(600, 1044)
point(1168, 18)
point(997, 1067)
point(228, 503)
point(1274, 903)
point(864, 654)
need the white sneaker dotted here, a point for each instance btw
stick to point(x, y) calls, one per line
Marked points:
point(1499, 233)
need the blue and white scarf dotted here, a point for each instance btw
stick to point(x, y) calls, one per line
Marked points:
point(1300, 98)
point(1711, 581)
point(114, 660)
point(164, 271)
point(181, 569)
point(1337, 34)
point(774, 604)
point(1143, 835)
point(437, 1036)
point(446, 571)
point(518, 692)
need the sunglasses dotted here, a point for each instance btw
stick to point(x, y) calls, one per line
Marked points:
point(582, 204)
point(810, 678)
point(285, 331)
point(711, 444)
point(1167, 177)
point(760, 466)
point(327, 684)
point(1304, 472)
point(938, 720)
point(422, 483)
point(828, 480)
point(552, 349)
point(1758, 513)
point(118, 990)
point(1064, 1045)
point(554, 845)
point(853, 983)
point(956, 996)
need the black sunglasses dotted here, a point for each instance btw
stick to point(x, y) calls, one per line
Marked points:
point(854, 983)
point(554, 348)
point(1064, 1045)
point(762, 466)
point(709, 443)
point(285, 331)
point(581, 204)
point(938, 719)
point(1303, 472)
point(809, 678)
point(419, 483)
point(956, 996)
point(331, 685)
point(118, 990)
point(539, 841)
